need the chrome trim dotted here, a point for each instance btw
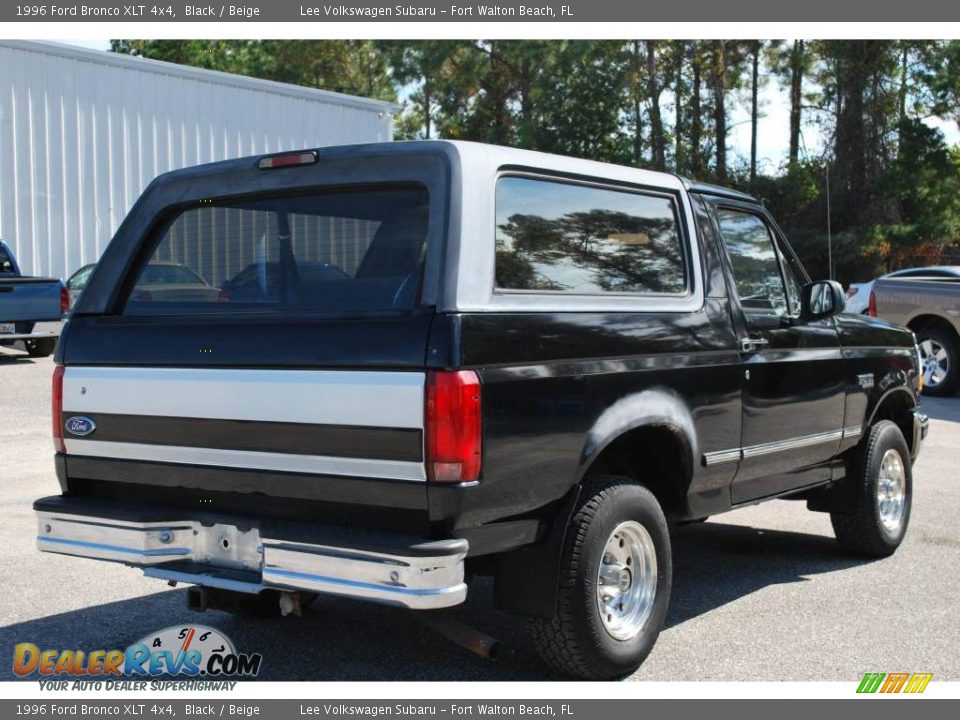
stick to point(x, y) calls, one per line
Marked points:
point(792, 443)
point(725, 456)
point(852, 431)
point(721, 456)
point(212, 555)
point(249, 459)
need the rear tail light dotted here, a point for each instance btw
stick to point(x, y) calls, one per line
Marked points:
point(56, 409)
point(453, 426)
point(64, 299)
point(873, 304)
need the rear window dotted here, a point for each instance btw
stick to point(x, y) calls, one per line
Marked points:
point(344, 251)
point(562, 237)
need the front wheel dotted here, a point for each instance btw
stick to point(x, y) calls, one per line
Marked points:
point(615, 580)
point(885, 495)
point(41, 347)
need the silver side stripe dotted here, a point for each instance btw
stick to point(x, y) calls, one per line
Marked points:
point(359, 398)
point(852, 431)
point(736, 454)
point(251, 460)
point(721, 456)
point(792, 443)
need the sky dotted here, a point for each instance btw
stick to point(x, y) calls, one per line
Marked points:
point(772, 134)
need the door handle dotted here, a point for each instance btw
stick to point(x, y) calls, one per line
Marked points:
point(751, 344)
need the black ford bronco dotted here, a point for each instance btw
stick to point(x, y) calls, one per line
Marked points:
point(412, 363)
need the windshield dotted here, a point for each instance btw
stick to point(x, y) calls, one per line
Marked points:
point(340, 251)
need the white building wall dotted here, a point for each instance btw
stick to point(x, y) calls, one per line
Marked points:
point(83, 132)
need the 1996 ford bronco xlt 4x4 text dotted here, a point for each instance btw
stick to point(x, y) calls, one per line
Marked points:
point(433, 359)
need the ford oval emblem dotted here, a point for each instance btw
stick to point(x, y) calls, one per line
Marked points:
point(80, 426)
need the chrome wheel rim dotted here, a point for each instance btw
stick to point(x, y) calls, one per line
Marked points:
point(891, 490)
point(935, 362)
point(627, 580)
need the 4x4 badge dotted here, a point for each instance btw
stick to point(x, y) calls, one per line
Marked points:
point(80, 426)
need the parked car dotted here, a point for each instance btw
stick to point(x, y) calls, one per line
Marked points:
point(30, 307)
point(930, 307)
point(526, 367)
point(858, 294)
point(77, 282)
point(160, 279)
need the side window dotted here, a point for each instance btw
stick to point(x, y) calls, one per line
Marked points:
point(561, 237)
point(756, 263)
point(6, 262)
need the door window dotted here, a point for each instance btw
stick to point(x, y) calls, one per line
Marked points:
point(756, 264)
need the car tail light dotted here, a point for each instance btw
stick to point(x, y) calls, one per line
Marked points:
point(873, 304)
point(56, 409)
point(453, 426)
point(64, 299)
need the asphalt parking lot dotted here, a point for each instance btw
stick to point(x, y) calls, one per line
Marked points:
point(763, 593)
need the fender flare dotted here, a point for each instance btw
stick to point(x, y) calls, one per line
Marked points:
point(888, 393)
point(653, 407)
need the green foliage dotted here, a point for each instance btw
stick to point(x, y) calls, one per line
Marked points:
point(893, 182)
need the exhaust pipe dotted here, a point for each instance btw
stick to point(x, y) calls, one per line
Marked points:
point(477, 642)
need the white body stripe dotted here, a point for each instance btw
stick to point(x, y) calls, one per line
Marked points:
point(324, 397)
point(246, 459)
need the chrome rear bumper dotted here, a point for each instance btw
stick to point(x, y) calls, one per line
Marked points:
point(418, 575)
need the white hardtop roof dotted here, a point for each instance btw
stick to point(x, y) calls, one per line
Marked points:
point(473, 154)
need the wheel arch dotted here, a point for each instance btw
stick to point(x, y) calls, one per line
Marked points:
point(897, 405)
point(655, 424)
point(649, 435)
point(932, 320)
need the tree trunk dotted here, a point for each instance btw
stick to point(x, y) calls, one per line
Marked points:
point(719, 107)
point(796, 99)
point(851, 145)
point(657, 145)
point(637, 116)
point(696, 116)
point(754, 111)
point(427, 108)
point(678, 159)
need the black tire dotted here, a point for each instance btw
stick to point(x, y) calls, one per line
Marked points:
point(40, 348)
point(948, 341)
point(574, 641)
point(863, 532)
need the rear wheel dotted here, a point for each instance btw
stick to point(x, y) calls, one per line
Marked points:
point(41, 347)
point(885, 496)
point(615, 581)
point(940, 360)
